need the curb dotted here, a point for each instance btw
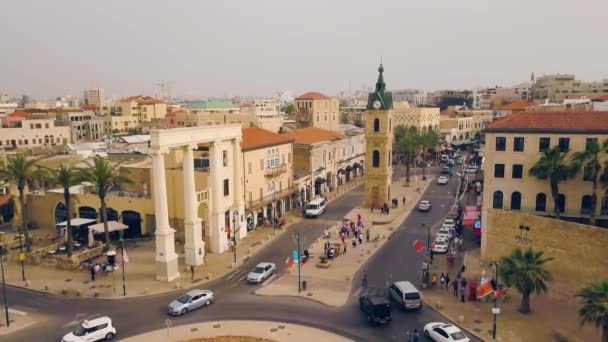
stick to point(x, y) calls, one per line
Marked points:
point(450, 318)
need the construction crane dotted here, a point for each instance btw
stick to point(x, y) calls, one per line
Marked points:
point(166, 93)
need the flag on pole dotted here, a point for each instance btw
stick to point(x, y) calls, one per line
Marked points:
point(289, 262)
point(125, 257)
point(418, 246)
point(500, 292)
point(485, 289)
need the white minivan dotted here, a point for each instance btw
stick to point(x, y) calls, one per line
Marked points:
point(316, 207)
point(406, 295)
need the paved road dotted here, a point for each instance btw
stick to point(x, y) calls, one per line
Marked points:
point(395, 261)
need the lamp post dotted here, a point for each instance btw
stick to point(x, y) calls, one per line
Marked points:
point(299, 262)
point(428, 238)
point(274, 209)
point(8, 323)
point(235, 215)
point(21, 255)
point(494, 310)
point(122, 264)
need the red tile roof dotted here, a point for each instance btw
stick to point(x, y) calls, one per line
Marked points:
point(515, 105)
point(549, 122)
point(312, 95)
point(254, 138)
point(19, 114)
point(312, 135)
point(601, 98)
point(89, 107)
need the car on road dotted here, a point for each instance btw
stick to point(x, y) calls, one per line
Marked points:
point(451, 162)
point(443, 233)
point(261, 272)
point(471, 169)
point(92, 330)
point(316, 207)
point(444, 158)
point(440, 246)
point(449, 223)
point(192, 300)
point(445, 170)
point(459, 161)
point(376, 306)
point(424, 205)
point(442, 180)
point(406, 295)
point(441, 332)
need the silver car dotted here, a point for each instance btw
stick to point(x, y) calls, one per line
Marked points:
point(261, 272)
point(190, 301)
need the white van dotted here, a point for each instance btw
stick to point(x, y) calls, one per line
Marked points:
point(315, 207)
point(406, 294)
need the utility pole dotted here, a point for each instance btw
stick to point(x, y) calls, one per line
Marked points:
point(299, 263)
point(122, 264)
point(234, 217)
point(8, 322)
point(495, 309)
point(22, 255)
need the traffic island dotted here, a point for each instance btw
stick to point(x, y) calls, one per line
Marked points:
point(332, 285)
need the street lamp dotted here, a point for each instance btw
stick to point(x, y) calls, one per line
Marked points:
point(494, 310)
point(235, 215)
point(122, 264)
point(8, 323)
point(297, 234)
point(21, 254)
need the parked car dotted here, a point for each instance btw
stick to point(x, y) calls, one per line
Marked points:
point(451, 162)
point(94, 330)
point(261, 272)
point(459, 161)
point(406, 295)
point(441, 332)
point(471, 169)
point(442, 180)
point(192, 300)
point(424, 205)
point(443, 233)
point(376, 307)
point(440, 246)
point(316, 207)
point(444, 158)
point(449, 223)
point(445, 170)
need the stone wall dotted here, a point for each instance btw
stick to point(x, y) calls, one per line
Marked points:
point(580, 251)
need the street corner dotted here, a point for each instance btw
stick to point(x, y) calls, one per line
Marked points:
point(18, 320)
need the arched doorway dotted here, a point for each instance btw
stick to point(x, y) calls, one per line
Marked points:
point(349, 169)
point(279, 205)
point(61, 213)
point(133, 220)
point(87, 212)
point(112, 214)
point(260, 218)
point(287, 203)
point(250, 222)
point(269, 212)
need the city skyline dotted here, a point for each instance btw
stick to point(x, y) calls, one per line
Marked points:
point(256, 49)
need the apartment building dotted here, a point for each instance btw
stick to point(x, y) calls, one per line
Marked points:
point(558, 87)
point(314, 109)
point(94, 96)
point(35, 131)
point(422, 118)
point(144, 108)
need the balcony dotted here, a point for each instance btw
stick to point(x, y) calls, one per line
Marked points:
point(260, 202)
point(275, 171)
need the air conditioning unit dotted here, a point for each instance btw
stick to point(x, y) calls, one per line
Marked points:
point(3, 191)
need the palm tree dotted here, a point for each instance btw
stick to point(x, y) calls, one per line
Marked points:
point(20, 171)
point(407, 143)
point(429, 139)
point(103, 177)
point(553, 165)
point(595, 306)
point(66, 176)
point(589, 161)
point(525, 270)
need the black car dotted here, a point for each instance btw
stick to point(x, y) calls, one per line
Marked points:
point(376, 307)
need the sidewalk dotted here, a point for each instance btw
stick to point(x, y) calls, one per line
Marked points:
point(18, 320)
point(332, 285)
point(270, 331)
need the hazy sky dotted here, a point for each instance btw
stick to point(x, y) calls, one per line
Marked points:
point(256, 47)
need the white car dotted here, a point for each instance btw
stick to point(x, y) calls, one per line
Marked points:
point(424, 205)
point(444, 158)
point(442, 180)
point(443, 234)
point(471, 169)
point(261, 272)
point(440, 246)
point(94, 330)
point(441, 332)
point(449, 223)
point(192, 300)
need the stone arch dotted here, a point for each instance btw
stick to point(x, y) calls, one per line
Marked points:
point(376, 158)
point(376, 125)
point(132, 219)
point(87, 212)
point(61, 213)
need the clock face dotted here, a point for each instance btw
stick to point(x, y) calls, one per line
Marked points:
point(377, 104)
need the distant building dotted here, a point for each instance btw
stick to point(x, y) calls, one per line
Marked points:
point(522, 91)
point(482, 98)
point(423, 119)
point(556, 88)
point(415, 97)
point(314, 109)
point(94, 96)
point(35, 131)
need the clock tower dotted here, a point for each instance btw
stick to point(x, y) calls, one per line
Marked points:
point(378, 144)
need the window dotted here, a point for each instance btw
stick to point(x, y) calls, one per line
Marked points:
point(541, 202)
point(516, 200)
point(518, 144)
point(499, 170)
point(225, 157)
point(376, 159)
point(283, 159)
point(226, 187)
point(586, 205)
point(589, 142)
point(561, 203)
point(543, 144)
point(249, 167)
point(518, 171)
point(564, 144)
point(389, 157)
point(497, 200)
point(262, 164)
point(289, 157)
point(501, 143)
point(376, 125)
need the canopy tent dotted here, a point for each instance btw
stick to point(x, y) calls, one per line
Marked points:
point(98, 229)
point(341, 171)
point(320, 180)
point(470, 217)
point(468, 142)
point(79, 221)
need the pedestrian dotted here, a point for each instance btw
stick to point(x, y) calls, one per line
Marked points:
point(372, 208)
point(461, 272)
point(434, 280)
point(447, 281)
point(403, 200)
point(92, 273)
point(415, 336)
point(360, 238)
point(460, 244)
point(343, 238)
point(192, 271)
point(359, 217)
point(442, 279)
point(344, 249)
point(387, 209)
point(431, 254)
point(367, 235)
point(462, 290)
point(455, 287)
point(364, 281)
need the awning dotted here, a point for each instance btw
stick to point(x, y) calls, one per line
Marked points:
point(468, 142)
point(320, 180)
point(79, 221)
point(349, 168)
point(341, 171)
point(357, 165)
point(112, 226)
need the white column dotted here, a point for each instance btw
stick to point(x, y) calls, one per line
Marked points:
point(166, 259)
point(217, 235)
point(238, 203)
point(194, 248)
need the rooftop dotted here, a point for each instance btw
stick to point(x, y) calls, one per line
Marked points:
point(515, 105)
point(212, 104)
point(552, 122)
point(254, 138)
point(142, 100)
point(312, 135)
point(312, 95)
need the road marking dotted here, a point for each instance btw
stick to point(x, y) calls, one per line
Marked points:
point(232, 275)
point(17, 312)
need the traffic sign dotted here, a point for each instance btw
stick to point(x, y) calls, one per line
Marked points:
point(296, 256)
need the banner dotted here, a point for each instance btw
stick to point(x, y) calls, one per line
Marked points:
point(485, 289)
point(418, 246)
